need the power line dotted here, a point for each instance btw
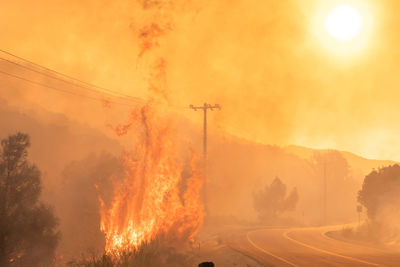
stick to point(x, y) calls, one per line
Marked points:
point(58, 89)
point(64, 75)
point(59, 79)
point(88, 86)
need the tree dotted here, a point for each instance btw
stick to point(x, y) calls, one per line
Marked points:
point(381, 189)
point(27, 227)
point(272, 201)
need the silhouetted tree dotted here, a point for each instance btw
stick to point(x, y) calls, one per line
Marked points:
point(272, 201)
point(380, 188)
point(28, 234)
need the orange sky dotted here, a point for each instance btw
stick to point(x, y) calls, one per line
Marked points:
point(278, 79)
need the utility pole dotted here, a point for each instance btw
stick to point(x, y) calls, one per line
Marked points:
point(205, 107)
point(359, 210)
point(325, 194)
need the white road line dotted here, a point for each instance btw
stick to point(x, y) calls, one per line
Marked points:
point(269, 253)
point(285, 234)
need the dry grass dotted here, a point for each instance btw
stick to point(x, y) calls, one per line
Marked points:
point(151, 254)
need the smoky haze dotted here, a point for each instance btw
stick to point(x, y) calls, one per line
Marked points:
point(277, 85)
point(87, 159)
point(261, 61)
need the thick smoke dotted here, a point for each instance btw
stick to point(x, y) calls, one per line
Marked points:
point(261, 61)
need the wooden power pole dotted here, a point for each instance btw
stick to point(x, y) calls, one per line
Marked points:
point(205, 107)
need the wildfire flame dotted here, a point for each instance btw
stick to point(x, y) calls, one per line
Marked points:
point(150, 201)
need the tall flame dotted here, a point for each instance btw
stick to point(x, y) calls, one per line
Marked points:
point(150, 201)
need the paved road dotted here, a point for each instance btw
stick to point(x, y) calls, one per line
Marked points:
point(308, 247)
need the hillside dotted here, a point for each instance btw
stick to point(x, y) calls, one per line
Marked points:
point(70, 156)
point(358, 164)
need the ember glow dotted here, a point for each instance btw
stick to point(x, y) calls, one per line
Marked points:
point(150, 201)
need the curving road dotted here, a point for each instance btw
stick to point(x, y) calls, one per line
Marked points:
point(308, 247)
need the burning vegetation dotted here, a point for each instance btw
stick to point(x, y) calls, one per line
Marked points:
point(153, 200)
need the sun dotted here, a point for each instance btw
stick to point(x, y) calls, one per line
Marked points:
point(344, 23)
point(344, 28)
